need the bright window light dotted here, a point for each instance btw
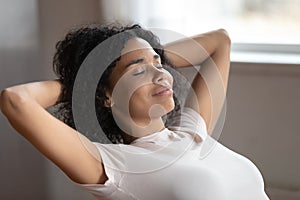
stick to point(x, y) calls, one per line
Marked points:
point(247, 21)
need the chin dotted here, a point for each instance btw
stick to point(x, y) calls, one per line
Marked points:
point(159, 110)
point(168, 108)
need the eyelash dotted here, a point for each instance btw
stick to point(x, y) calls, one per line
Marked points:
point(136, 74)
point(139, 73)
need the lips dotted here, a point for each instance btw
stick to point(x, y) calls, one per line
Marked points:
point(162, 91)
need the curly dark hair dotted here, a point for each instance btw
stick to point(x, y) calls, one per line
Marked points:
point(70, 54)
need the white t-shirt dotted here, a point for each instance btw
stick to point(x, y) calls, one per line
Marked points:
point(177, 164)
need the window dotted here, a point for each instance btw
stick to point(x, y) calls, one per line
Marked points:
point(248, 21)
point(254, 25)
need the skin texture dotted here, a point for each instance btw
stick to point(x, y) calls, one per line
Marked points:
point(24, 105)
point(212, 51)
point(139, 82)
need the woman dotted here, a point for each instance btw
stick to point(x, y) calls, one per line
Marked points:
point(150, 158)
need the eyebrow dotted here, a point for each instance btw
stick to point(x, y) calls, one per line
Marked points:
point(140, 60)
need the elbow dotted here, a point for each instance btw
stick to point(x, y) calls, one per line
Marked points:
point(9, 101)
point(224, 37)
point(4, 99)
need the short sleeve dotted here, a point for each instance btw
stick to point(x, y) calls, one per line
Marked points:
point(189, 121)
point(110, 163)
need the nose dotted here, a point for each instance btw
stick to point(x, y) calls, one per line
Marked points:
point(159, 76)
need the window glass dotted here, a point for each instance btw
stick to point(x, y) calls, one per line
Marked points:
point(264, 27)
point(247, 21)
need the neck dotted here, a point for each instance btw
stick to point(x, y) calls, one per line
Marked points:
point(135, 128)
point(141, 132)
point(146, 128)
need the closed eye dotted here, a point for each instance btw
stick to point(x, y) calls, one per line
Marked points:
point(138, 73)
point(139, 70)
point(143, 69)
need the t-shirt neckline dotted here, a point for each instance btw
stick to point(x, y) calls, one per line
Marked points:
point(149, 137)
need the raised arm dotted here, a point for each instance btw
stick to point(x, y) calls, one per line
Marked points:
point(24, 106)
point(212, 51)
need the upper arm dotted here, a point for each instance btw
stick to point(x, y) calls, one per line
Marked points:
point(68, 149)
point(208, 91)
point(209, 87)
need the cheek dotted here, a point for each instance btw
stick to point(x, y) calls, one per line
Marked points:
point(141, 97)
point(140, 103)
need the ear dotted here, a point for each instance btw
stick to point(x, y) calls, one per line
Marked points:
point(108, 102)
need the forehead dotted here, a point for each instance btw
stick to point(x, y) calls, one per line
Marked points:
point(135, 44)
point(134, 48)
